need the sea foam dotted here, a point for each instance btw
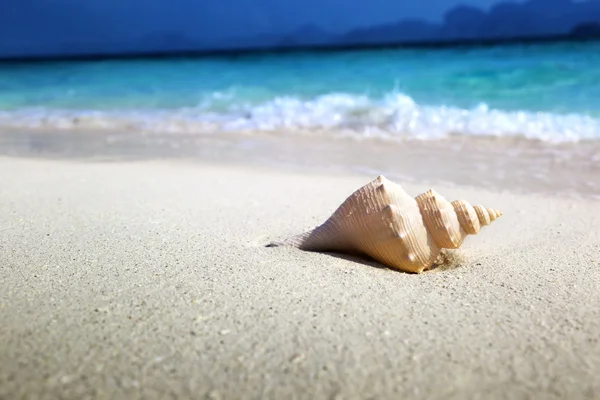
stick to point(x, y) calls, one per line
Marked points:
point(394, 116)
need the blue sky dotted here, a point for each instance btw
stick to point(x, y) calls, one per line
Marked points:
point(46, 25)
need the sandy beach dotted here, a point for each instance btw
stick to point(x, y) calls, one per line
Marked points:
point(150, 279)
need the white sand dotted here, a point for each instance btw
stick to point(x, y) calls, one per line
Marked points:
point(151, 280)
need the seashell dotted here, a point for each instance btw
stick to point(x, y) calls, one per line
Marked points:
point(382, 221)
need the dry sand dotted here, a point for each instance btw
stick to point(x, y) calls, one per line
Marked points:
point(151, 280)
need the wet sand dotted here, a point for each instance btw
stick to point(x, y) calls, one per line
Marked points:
point(146, 278)
point(512, 164)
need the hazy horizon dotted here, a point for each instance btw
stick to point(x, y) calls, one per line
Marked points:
point(65, 26)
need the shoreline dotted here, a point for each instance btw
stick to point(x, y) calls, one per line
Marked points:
point(150, 278)
point(496, 163)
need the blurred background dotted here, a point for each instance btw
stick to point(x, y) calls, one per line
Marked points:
point(157, 78)
point(68, 27)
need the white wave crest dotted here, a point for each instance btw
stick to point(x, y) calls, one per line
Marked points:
point(394, 116)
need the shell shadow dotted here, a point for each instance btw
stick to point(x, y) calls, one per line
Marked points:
point(448, 260)
point(359, 259)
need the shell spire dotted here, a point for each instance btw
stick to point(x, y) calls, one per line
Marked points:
point(382, 221)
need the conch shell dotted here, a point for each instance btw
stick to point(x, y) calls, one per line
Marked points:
point(384, 222)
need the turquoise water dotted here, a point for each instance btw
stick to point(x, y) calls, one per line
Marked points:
point(549, 92)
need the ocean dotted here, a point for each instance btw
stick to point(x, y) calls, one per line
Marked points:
point(548, 92)
point(511, 117)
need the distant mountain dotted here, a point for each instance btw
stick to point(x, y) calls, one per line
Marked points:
point(463, 22)
point(505, 20)
point(408, 30)
point(307, 35)
point(538, 18)
point(89, 34)
point(588, 30)
point(162, 41)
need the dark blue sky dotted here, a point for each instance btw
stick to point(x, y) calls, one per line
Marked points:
point(50, 26)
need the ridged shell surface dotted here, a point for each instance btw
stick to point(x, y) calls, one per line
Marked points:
point(384, 222)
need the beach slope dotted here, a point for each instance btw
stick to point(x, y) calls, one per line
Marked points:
point(152, 280)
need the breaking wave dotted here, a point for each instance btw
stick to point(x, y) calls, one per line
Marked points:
point(395, 116)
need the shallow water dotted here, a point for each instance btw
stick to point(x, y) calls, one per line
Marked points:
point(548, 92)
point(498, 164)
